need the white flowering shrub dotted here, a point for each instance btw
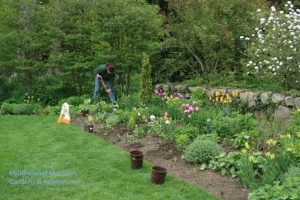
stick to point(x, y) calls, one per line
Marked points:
point(273, 49)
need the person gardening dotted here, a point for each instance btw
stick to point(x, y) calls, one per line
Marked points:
point(104, 75)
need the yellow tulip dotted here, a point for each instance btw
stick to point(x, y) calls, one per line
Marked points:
point(251, 158)
point(271, 142)
point(247, 146)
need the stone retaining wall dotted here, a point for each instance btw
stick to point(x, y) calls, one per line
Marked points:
point(284, 102)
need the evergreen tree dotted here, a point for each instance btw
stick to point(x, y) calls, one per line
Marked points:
point(146, 88)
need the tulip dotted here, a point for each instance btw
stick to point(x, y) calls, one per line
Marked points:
point(194, 103)
point(197, 109)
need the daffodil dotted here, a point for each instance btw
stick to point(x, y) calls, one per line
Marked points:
point(298, 110)
point(244, 151)
point(289, 136)
point(251, 158)
point(210, 98)
point(298, 134)
point(270, 155)
point(217, 93)
point(247, 146)
point(282, 136)
point(271, 142)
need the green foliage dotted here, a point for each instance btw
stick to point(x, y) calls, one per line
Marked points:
point(20, 109)
point(7, 108)
point(140, 132)
point(73, 101)
point(51, 110)
point(210, 33)
point(146, 88)
point(288, 189)
point(25, 109)
point(182, 141)
point(226, 164)
point(211, 136)
point(113, 120)
point(199, 95)
point(190, 131)
point(202, 120)
point(261, 171)
point(244, 136)
point(228, 127)
point(133, 119)
point(273, 51)
point(202, 151)
point(174, 109)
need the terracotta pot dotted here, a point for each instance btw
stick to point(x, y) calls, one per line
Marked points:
point(158, 175)
point(136, 158)
point(89, 128)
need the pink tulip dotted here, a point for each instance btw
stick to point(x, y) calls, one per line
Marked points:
point(191, 109)
point(197, 109)
point(183, 105)
point(194, 103)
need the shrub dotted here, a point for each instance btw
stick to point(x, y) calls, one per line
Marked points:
point(140, 132)
point(182, 141)
point(288, 189)
point(274, 47)
point(190, 131)
point(51, 110)
point(113, 120)
point(24, 109)
point(212, 137)
point(7, 108)
point(74, 101)
point(202, 151)
point(226, 164)
point(146, 81)
point(228, 127)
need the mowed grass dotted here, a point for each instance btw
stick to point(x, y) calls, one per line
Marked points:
point(91, 167)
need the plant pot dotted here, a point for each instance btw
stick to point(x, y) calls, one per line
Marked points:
point(158, 175)
point(136, 158)
point(89, 128)
point(85, 112)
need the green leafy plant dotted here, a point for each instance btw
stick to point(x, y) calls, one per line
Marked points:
point(112, 120)
point(191, 131)
point(226, 164)
point(212, 137)
point(202, 151)
point(289, 188)
point(7, 108)
point(182, 141)
point(140, 132)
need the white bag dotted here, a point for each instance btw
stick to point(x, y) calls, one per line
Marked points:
point(64, 117)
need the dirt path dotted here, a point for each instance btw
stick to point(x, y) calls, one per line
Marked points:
point(165, 154)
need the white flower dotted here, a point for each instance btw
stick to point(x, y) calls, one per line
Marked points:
point(256, 68)
point(258, 10)
point(167, 122)
point(273, 9)
point(152, 118)
point(242, 37)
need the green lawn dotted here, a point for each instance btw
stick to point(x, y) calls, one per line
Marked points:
point(90, 167)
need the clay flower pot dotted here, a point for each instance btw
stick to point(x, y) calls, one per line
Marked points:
point(136, 158)
point(158, 175)
point(89, 128)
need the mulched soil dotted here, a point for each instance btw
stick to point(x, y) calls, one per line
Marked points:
point(164, 153)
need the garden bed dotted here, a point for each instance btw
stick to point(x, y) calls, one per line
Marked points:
point(164, 153)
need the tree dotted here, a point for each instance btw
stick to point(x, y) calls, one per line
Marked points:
point(209, 31)
point(146, 88)
point(124, 29)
